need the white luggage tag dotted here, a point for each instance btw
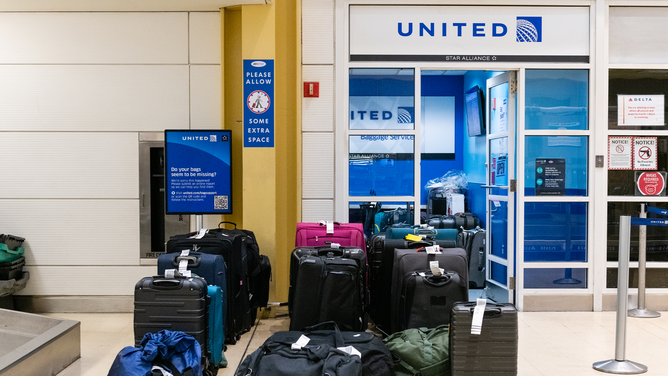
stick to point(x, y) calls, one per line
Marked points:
point(478, 315)
point(335, 245)
point(329, 225)
point(350, 351)
point(185, 253)
point(183, 268)
point(201, 233)
point(435, 270)
point(162, 370)
point(301, 342)
point(433, 250)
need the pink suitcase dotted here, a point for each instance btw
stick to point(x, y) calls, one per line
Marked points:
point(322, 233)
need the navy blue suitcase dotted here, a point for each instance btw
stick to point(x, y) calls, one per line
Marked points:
point(208, 266)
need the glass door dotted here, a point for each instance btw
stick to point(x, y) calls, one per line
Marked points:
point(500, 114)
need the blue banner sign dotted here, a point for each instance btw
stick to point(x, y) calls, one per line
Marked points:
point(651, 209)
point(258, 103)
point(648, 222)
point(198, 173)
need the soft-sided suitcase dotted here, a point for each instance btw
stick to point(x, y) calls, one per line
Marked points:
point(328, 284)
point(407, 261)
point(323, 233)
point(427, 299)
point(475, 249)
point(233, 247)
point(466, 221)
point(175, 304)
point(421, 351)
point(12, 269)
point(491, 353)
point(425, 232)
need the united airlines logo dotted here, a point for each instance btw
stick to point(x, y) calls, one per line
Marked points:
point(405, 115)
point(529, 29)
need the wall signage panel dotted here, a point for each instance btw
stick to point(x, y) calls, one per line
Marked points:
point(550, 176)
point(469, 34)
point(259, 103)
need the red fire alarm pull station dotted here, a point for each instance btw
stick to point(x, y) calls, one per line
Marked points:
point(311, 89)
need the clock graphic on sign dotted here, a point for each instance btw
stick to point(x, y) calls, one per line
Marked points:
point(258, 101)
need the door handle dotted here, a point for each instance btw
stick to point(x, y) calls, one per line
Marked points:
point(494, 186)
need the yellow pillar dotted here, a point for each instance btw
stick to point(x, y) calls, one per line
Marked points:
point(266, 180)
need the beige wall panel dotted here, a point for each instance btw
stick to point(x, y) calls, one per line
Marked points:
point(74, 232)
point(205, 38)
point(94, 38)
point(317, 210)
point(638, 35)
point(317, 32)
point(318, 113)
point(68, 165)
point(84, 280)
point(93, 97)
point(318, 165)
point(205, 97)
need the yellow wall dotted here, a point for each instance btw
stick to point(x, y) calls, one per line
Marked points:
point(266, 180)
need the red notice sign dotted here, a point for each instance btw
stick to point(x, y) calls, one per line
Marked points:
point(651, 183)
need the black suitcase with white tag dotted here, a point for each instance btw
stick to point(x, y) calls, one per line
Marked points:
point(491, 353)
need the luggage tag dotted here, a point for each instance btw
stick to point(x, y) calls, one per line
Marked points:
point(174, 273)
point(183, 268)
point(301, 342)
point(413, 238)
point(350, 351)
point(435, 270)
point(433, 250)
point(478, 315)
point(329, 225)
point(335, 245)
point(200, 234)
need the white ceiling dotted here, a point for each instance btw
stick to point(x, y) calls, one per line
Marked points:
point(120, 5)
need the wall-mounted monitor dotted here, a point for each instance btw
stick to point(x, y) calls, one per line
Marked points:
point(475, 111)
point(198, 171)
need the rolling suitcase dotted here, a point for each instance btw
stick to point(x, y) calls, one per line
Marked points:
point(427, 299)
point(493, 352)
point(216, 332)
point(425, 232)
point(323, 233)
point(327, 284)
point(175, 304)
point(466, 221)
point(407, 261)
point(233, 247)
point(475, 249)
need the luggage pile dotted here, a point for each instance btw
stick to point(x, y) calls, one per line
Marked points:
point(12, 276)
point(208, 287)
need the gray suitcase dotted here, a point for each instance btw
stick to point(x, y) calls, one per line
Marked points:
point(494, 351)
point(475, 250)
point(407, 261)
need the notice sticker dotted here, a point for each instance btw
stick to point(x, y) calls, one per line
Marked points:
point(620, 153)
point(637, 110)
point(644, 153)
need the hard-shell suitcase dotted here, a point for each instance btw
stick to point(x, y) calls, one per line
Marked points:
point(323, 233)
point(175, 304)
point(328, 285)
point(427, 299)
point(216, 332)
point(233, 247)
point(491, 353)
point(475, 249)
point(407, 261)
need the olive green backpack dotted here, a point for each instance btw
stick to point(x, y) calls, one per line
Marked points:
point(421, 352)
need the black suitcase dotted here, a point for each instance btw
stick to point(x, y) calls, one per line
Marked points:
point(327, 284)
point(475, 249)
point(458, 220)
point(381, 278)
point(233, 247)
point(176, 304)
point(494, 351)
point(426, 300)
point(407, 261)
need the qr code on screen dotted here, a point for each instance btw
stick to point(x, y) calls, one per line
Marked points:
point(220, 202)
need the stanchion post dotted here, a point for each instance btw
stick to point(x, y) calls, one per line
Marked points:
point(642, 311)
point(619, 364)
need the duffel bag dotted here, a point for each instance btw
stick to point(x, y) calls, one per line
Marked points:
point(423, 352)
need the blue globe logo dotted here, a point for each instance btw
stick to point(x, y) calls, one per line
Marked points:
point(404, 115)
point(526, 31)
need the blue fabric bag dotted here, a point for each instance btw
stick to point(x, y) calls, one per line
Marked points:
point(166, 348)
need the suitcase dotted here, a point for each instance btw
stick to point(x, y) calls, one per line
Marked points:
point(175, 304)
point(12, 269)
point(327, 284)
point(407, 261)
point(425, 232)
point(494, 351)
point(216, 332)
point(467, 221)
point(233, 247)
point(427, 299)
point(323, 233)
point(381, 277)
point(475, 250)
point(210, 267)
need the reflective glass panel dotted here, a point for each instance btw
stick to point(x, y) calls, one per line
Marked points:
point(377, 216)
point(499, 273)
point(623, 182)
point(498, 108)
point(656, 236)
point(557, 99)
point(498, 173)
point(555, 278)
point(555, 166)
point(381, 165)
point(635, 84)
point(499, 228)
point(655, 278)
point(382, 98)
point(555, 231)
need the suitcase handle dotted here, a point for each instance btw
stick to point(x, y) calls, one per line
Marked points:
point(232, 223)
point(438, 281)
point(494, 312)
point(193, 261)
point(162, 283)
point(338, 338)
point(324, 251)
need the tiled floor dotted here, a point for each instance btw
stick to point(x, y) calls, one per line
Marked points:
point(550, 343)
